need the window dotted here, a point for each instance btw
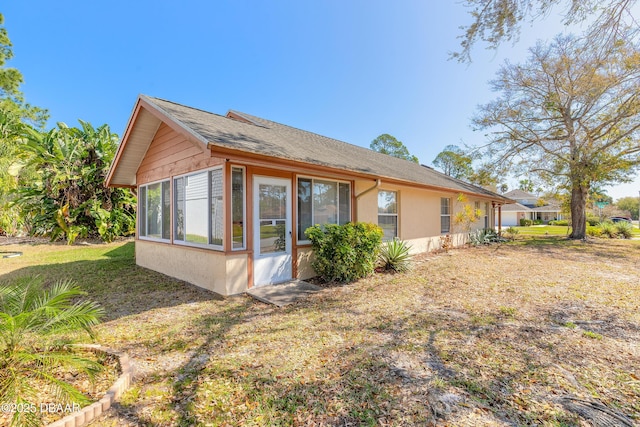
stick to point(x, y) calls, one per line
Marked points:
point(237, 208)
point(388, 213)
point(322, 202)
point(198, 208)
point(445, 215)
point(155, 211)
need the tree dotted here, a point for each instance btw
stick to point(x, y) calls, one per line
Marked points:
point(15, 114)
point(454, 162)
point(70, 198)
point(629, 204)
point(570, 115)
point(11, 98)
point(526, 185)
point(497, 21)
point(387, 144)
point(32, 320)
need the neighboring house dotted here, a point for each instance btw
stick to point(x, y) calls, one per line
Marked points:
point(223, 201)
point(526, 207)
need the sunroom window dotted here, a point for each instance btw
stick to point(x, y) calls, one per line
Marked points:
point(322, 202)
point(155, 211)
point(198, 210)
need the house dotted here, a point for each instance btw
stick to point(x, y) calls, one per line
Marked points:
point(224, 200)
point(528, 206)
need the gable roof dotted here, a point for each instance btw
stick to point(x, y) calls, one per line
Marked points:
point(249, 134)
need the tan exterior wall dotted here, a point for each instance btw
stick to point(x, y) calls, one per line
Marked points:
point(418, 214)
point(225, 275)
point(305, 257)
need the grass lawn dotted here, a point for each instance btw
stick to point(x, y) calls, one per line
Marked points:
point(491, 336)
point(552, 230)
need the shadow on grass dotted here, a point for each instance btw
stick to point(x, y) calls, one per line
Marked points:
point(118, 284)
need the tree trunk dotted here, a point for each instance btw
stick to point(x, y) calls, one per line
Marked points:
point(579, 195)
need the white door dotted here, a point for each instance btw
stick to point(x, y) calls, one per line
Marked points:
point(272, 230)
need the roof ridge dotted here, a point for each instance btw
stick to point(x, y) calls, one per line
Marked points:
point(183, 106)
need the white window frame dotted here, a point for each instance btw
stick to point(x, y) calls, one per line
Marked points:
point(396, 214)
point(445, 215)
point(175, 216)
point(146, 209)
point(244, 207)
point(316, 178)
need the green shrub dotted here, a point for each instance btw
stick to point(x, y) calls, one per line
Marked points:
point(525, 222)
point(608, 230)
point(345, 253)
point(624, 229)
point(395, 256)
point(594, 231)
point(537, 222)
point(593, 221)
point(561, 222)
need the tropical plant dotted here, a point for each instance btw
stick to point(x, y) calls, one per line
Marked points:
point(395, 256)
point(483, 237)
point(70, 199)
point(608, 230)
point(344, 253)
point(624, 229)
point(34, 320)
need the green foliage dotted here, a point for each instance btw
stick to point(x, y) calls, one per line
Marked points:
point(344, 253)
point(629, 204)
point(609, 230)
point(483, 237)
point(595, 101)
point(454, 162)
point(594, 231)
point(395, 256)
point(525, 222)
point(70, 199)
point(593, 220)
point(562, 222)
point(624, 229)
point(387, 144)
point(33, 318)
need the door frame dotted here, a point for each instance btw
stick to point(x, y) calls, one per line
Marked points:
point(285, 258)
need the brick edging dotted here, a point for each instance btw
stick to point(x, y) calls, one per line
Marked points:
point(88, 413)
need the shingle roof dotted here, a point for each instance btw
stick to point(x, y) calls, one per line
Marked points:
point(268, 138)
point(515, 207)
point(519, 194)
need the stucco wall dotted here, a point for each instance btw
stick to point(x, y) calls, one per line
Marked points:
point(305, 257)
point(225, 275)
point(418, 213)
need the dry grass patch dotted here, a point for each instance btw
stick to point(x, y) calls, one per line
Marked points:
point(486, 336)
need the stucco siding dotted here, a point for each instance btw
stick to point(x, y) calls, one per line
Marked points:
point(225, 275)
point(305, 258)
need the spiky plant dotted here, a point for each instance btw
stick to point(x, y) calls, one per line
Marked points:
point(395, 256)
point(34, 323)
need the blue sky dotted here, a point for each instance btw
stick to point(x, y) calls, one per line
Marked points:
point(350, 70)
